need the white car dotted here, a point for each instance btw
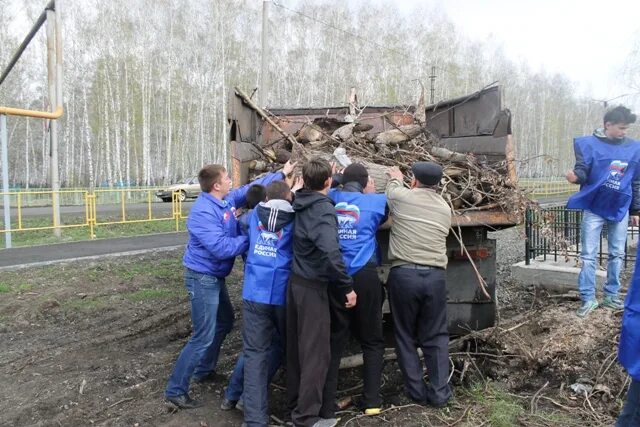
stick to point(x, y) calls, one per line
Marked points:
point(190, 188)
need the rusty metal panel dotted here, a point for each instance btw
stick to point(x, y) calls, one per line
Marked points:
point(485, 218)
point(476, 114)
point(243, 117)
point(477, 144)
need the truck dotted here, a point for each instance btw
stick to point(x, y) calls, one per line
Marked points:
point(476, 123)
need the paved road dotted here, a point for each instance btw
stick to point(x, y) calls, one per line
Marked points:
point(16, 258)
point(158, 209)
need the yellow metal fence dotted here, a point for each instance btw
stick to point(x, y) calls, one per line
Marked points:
point(91, 201)
point(547, 187)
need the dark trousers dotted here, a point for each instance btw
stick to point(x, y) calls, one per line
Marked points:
point(364, 321)
point(260, 323)
point(630, 415)
point(308, 353)
point(418, 302)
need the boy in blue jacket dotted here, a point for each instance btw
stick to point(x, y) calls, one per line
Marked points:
point(214, 242)
point(607, 169)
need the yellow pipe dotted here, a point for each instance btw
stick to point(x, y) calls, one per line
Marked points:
point(33, 113)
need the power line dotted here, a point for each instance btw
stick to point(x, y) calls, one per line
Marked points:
point(328, 25)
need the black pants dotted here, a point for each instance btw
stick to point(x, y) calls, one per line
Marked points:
point(418, 301)
point(364, 321)
point(308, 353)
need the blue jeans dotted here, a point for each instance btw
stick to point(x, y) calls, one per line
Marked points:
point(590, 241)
point(264, 334)
point(209, 298)
point(235, 387)
point(630, 415)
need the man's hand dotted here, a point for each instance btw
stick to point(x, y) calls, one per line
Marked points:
point(351, 299)
point(288, 167)
point(298, 183)
point(371, 186)
point(635, 220)
point(571, 176)
point(395, 173)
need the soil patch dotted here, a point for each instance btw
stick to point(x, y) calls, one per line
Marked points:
point(93, 344)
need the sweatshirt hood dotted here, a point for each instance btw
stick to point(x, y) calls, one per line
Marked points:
point(307, 198)
point(600, 134)
point(275, 214)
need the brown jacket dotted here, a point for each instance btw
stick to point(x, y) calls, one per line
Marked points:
point(421, 223)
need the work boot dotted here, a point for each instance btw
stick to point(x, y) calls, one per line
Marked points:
point(183, 402)
point(326, 422)
point(586, 308)
point(613, 302)
point(227, 404)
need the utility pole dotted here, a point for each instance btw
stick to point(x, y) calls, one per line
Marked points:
point(5, 181)
point(432, 77)
point(262, 91)
point(53, 124)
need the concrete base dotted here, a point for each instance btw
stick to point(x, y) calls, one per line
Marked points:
point(555, 276)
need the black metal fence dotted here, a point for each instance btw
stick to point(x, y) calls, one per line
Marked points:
point(554, 233)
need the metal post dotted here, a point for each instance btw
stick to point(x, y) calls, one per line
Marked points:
point(263, 66)
point(5, 181)
point(432, 77)
point(53, 124)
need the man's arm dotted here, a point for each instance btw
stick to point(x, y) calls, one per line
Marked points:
point(324, 236)
point(634, 210)
point(238, 197)
point(581, 169)
point(210, 232)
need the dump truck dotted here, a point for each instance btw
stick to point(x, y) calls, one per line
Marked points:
point(476, 124)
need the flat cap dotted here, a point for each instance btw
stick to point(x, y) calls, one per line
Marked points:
point(427, 173)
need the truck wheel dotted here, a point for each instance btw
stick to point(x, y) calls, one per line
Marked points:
point(182, 196)
point(166, 199)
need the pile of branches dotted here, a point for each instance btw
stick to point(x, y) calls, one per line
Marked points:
point(470, 183)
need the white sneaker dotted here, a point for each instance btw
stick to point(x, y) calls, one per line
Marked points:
point(326, 422)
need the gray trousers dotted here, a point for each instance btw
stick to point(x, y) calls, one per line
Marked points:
point(418, 301)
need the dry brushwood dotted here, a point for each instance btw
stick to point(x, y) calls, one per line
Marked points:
point(469, 183)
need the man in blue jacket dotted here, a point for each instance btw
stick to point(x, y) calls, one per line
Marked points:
point(607, 169)
point(360, 213)
point(214, 242)
point(629, 352)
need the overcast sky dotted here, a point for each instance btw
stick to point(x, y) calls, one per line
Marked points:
point(579, 38)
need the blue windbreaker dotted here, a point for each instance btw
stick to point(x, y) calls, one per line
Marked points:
point(268, 265)
point(629, 350)
point(359, 216)
point(214, 236)
point(609, 170)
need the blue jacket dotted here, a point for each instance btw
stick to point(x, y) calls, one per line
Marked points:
point(214, 236)
point(608, 172)
point(629, 350)
point(359, 216)
point(268, 265)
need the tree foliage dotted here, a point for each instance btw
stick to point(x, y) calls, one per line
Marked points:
point(146, 83)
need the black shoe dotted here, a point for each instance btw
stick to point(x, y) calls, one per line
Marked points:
point(211, 377)
point(227, 404)
point(183, 402)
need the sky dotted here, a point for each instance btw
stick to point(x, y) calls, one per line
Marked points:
point(578, 38)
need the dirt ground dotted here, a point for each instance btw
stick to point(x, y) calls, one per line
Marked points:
point(93, 344)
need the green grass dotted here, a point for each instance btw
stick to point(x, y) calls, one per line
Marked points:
point(43, 237)
point(5, 288)
point(25, 287)
point(86, 304)
point(497, 408)
point(166, 269)
point(151, 294)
